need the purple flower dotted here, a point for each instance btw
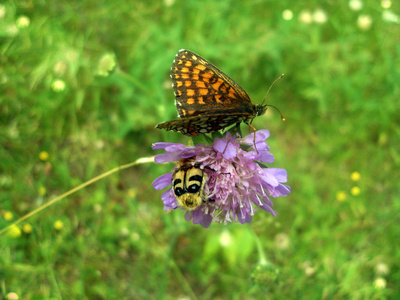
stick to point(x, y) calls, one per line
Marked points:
point(228, 178)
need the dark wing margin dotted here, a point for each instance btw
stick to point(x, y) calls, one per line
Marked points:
point(196, 125)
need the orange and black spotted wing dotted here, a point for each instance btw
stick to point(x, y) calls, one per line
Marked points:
point(207, 100)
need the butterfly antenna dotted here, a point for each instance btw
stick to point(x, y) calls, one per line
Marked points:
point(265, 98)
point(282, 117)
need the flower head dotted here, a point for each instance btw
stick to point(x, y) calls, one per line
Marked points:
point(355, 176)
point(364, 22)
point(2, 11)
point(106, 64)
point(386, 4)
point(380, 283)
point(58, 225)
point(14, 231)
point(356, 5)
point(305, 17)
point(287, 14)
point(341, 196)
point(391, 17)
point(58, 85)
point(355, 191)
point(382, 269)
point(44, 156)
point(12, 296)
point(225, 182)
point(23, 21)
point(319, 16)
point(27, 228)
point(8, 215)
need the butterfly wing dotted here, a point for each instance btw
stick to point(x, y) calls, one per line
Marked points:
point(196, 125)
point(202, 89)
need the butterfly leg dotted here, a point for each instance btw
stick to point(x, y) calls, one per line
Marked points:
point(236, 129)
point(254, 140)
point(227, 143)
point(211, 169)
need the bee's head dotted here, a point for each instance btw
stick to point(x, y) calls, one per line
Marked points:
point(190, 201)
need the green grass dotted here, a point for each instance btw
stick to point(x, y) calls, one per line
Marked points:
point(340, 96)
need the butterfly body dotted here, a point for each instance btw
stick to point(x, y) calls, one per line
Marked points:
point(207, 100)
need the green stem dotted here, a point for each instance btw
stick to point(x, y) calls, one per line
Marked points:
point(139, 161)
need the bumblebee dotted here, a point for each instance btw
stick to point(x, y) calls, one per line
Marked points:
point(188, 183)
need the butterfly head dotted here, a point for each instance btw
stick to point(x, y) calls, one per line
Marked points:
point(260, 109)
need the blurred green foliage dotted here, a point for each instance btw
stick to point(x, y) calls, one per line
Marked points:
point(85, 82)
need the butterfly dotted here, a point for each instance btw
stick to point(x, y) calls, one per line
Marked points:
point(207, 99)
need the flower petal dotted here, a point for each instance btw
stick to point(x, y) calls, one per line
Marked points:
point(268, 208)
point(199, 217)
point(265, 156)
point(162, 181)
point(167, 157)
point(283, 190)
point(261, 136)
point(158, 146)
point(176, 148)
point(169, 201)
point(220, 145)
point(247, 219)
point(269, 178)
point(279, 174)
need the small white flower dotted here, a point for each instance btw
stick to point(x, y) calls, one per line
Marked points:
point(382, 269)
point(3, 79)
point(225, 238)
point(2, 11)
point(319, 16)
point(11, 30)
point(124, 232)
point(135, 236)
point(309, 271)
point(380, 283)
point(97, 208)
point(287, 14)
point(99, 144)
point(364, 22)
point(356, 5)
point(23, 22)
point(58, 85)
point(12, 296)
point(386, 4)
point(169, 2)
point(106, 64)
point(390, 17)
point(60, 67)
point(282, 241)
point(305, 17)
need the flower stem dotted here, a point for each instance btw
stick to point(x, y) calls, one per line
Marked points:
point(261, 255)
point(139, 161)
